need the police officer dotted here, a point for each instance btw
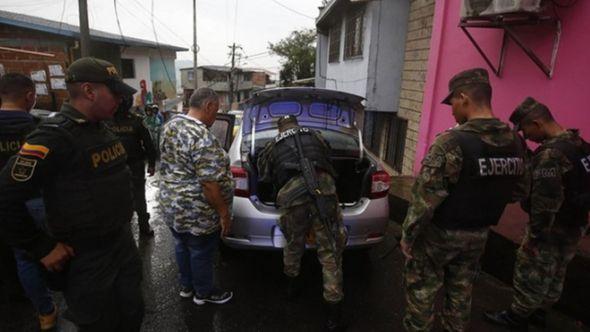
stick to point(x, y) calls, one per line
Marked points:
point(467, 177)
point(15, 124)
point(558, 214)
point(138, 144)
point(79, 166)
point(18, 98)
point(280, 163)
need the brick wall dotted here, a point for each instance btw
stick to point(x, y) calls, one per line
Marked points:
point(14, 62)
point(414, 74)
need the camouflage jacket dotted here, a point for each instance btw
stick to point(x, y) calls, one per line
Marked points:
point(190, 154)
point(441, 168)
point(549, 165)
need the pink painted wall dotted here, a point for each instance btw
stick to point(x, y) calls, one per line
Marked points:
point(567, 94)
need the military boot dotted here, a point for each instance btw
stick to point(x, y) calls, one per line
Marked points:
point(334, 317)
point(507, 318)
point(144, 225)
point(293, 287)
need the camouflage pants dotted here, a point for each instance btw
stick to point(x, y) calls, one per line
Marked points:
point(296, 223)
point(442, 258)
point(538, 280)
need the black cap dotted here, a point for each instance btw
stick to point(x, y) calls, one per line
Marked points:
point(464, 78)
point(95, 70)
point(524, 109)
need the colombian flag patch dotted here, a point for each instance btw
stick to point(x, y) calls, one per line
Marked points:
point(38, 151)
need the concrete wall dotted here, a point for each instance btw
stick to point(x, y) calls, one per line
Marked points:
point(141, 61)
point(386, 55)
point(566, 93)
point(321, 60)
point(162, 73)
point(419, 31)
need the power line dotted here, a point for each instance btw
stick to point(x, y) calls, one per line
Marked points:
point(119, 23)
point(293, 10)
point(61, 18)
point(186, 44)
point(235, 20)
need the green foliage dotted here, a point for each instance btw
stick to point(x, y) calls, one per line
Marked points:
point(298, 53)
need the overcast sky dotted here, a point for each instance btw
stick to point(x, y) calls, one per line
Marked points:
point(250, 23)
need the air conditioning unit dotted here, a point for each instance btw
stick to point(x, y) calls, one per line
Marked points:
point(474, 8)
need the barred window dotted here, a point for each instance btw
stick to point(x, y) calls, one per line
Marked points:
point(353, 42)
point(334, 48)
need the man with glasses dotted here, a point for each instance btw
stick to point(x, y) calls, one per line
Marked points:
point(79, 166)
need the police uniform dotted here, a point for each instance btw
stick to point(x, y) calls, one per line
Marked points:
point(14, 127)
point(80, 167)
point(279, 163)
point(467, 177)
point(558, 218)
point(138, 144)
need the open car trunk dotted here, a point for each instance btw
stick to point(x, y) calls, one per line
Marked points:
point(353, 181)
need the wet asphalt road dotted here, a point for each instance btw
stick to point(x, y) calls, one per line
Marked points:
point(372, 283)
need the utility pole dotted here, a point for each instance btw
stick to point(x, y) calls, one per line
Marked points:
point(195, 49)
point(231, 75)
point(84, 30)
point(233, 78)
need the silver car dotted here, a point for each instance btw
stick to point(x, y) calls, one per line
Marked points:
point(361, 182)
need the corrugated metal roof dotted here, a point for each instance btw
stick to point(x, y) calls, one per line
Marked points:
point(72, 31)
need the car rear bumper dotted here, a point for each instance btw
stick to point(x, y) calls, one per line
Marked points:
point(255, 224)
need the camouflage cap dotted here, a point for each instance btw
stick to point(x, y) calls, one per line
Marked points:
point(467, 77)
point(525, 108)
point(287, 120)
point(95, 70)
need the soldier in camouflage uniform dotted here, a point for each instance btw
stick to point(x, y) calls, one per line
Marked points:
point(558, 211)
point(468, 176)
point(300, 220)
point(196, 193)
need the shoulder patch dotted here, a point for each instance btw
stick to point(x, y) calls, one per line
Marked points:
point(39, 151)
point(23, 169)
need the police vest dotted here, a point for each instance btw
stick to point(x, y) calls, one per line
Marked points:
point(126, 129)
point(576, 204)
point(489, 176)
point(12, 136)
point(285, 158)
point(91, 195)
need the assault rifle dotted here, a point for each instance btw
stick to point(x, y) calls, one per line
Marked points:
point(311, 183)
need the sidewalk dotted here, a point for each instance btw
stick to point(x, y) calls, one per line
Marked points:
point(505, 238)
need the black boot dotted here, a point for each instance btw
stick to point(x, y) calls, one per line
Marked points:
point(334, 317)
point(144, 225)
point(293, 288)
point(539, 318)
point(507, 318)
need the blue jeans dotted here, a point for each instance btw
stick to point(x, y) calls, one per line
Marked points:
point(29, 271)
point(31, 278)
point(194, 256)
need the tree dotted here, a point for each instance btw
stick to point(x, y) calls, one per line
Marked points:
point(298, 53)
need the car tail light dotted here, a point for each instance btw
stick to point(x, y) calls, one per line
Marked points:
point(379, 184)
point(241, 178)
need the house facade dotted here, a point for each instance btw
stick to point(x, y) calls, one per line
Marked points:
point(360, 51)
point(245, 82)
point(43, 49)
